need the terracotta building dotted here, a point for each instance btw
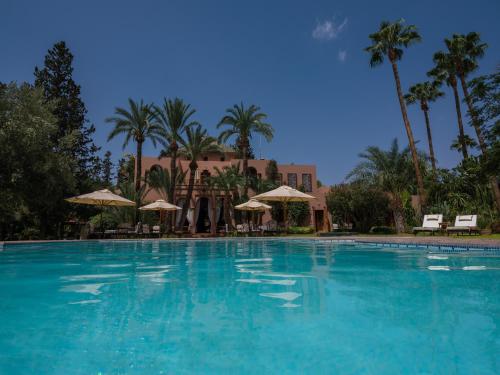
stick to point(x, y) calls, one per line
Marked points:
point(294, 175)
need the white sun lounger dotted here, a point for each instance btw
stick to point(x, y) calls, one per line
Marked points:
point(464, 224)
point(432, 224)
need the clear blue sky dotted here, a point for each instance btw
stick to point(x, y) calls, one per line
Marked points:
point(322, 98)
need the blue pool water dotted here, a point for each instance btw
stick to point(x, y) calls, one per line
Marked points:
point(246, 307)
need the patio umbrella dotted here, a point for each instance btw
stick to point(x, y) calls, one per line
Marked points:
point(160, 205)
point(284, 194)
point(253, 206)
point(101, 198)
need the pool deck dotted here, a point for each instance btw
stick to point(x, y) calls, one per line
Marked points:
point(465, 241)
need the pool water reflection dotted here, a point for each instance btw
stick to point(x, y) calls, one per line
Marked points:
point(245, 307)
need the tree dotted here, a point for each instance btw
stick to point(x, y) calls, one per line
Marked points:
point(272, 173)
point(160, 181)
point(362, 205)
point(175, 117)
point(139, 124)
point(460, 142)
point(107, 169)
point(425, 93)
point(465, 50)
point(250, 155)
point(229, 180)
point(196, 143)
point(444, 70)
point(243, 123)
point(299, 212)
point(34, 177)
point(389, 41)
point(59, 88)
point(391, 171)
point(126, 169)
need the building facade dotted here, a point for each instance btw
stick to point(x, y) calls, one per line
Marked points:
point(204, 202)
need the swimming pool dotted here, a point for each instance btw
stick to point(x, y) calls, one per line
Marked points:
point(246, 307)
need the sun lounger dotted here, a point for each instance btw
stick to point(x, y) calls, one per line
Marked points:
point(242, 228)
point(431, 224)
point(464, 224)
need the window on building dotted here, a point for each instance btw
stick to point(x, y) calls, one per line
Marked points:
point(292, 180)
point(307, 182)
point(280, 178)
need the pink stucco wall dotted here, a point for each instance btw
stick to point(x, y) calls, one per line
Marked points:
point(213, 161)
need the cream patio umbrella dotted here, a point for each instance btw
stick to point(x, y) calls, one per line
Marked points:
point(101, 198)
point(160, 205)
point(253, 206)
point(284, 194)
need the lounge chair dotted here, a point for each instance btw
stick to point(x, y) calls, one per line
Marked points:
point(156, 230)
point(242, 228)
point(464, 224)
point(431, 224)
point(137, 230)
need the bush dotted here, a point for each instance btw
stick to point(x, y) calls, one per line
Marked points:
point(108, 221)
point(382, 229)
point(300, 230)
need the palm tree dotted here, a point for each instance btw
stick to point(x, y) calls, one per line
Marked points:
point(464, 51)
point(445, 70)
point(136, 123)
point(196, 143)
point(424, 93)
point(459, 143)
point(160, 181)
point(229, 180)
point(391, 171)
point(175, 117)
point(389, 41)
point(243, 123)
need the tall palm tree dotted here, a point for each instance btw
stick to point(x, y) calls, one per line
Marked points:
point(196, 143)
point(465, 50)
point(229, 180)
point(444, 70)
point(243, 123)
point(137, 123)
point(175, 118)
point(389, 41)
point(424, 93)
point(391, 171)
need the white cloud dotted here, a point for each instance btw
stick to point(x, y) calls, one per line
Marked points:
point(342, 55)
point(328, 29)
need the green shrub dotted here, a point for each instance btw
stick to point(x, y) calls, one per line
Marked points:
point(382, 229)
point(108, 221)
point(30, 234)
point(300, 230)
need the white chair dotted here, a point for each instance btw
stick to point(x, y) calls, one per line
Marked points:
point(464, 224)
point(432, 224)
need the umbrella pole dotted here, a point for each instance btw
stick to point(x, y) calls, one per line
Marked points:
point(285, 213)
point(102, 224)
